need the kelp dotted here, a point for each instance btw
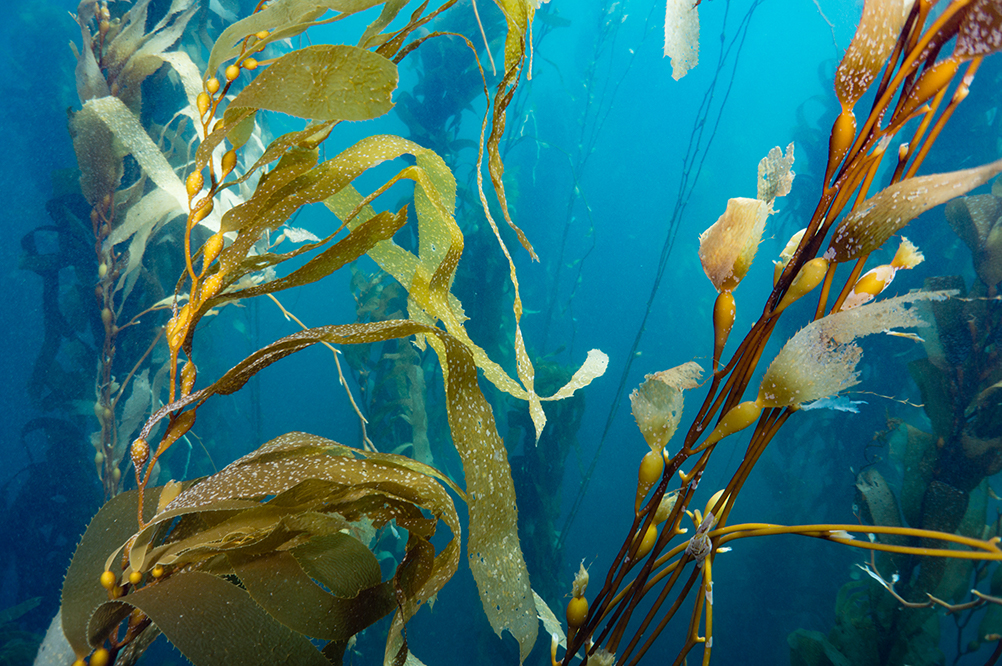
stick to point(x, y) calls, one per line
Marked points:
point(280, 549)
point(296, 505)
point(117, 64)
point(903, 53)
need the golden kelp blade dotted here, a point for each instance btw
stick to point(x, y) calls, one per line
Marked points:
point(728, 247)
point(820, 360)
point(428, 276)
point(880, 217)
point(873, 42)
point(494, 552)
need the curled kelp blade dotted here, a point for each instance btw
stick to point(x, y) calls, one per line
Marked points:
point(82, 591)
point(429, 274)
point(298, 554)
point(881, 216)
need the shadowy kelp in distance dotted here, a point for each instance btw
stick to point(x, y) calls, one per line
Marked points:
point(300, 503)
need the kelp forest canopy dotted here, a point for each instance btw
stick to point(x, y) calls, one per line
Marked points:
point(344, 302)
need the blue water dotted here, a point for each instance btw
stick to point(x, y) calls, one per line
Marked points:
point(589, 290)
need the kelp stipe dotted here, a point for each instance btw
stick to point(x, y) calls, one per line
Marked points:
point(901, 54)
point(165, 559)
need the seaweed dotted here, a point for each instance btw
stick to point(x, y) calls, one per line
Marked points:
point(205, 552)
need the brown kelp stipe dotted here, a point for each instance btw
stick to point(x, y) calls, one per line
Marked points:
point(902, 54)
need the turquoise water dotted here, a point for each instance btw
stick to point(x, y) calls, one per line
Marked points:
point(612, 168)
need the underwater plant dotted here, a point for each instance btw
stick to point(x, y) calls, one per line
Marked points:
point(196, 560)
point(180, 557)
point(943, 476)
point(907, 60)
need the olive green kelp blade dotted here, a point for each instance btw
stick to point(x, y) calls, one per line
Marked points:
point(212, 621)
point(324, 82)
point(82, 591)
point(300, 558)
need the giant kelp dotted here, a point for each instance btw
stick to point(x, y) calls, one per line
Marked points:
point(294, 504)
point(908, 57)
point(289, 503)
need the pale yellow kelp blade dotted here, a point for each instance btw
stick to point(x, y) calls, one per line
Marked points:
point(883, 215)
point(125, 127)
point(820, 360)
point(775, 174)
point(657, 402)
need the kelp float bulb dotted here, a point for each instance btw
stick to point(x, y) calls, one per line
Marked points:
point(786, 255)
point(199, 211)
point(101, 657)
point(188, 374)
point(724, 311)
point(228, 161)
point(193, 184)
point(249, 63)
point(212, 85)
point(647, 542)
point(651, 467)
point(139, 452)
point(232, 72)
point(102, 270)
point(108, 580)
point(810, 276)
point(135, 577)
point(203, 101)
point(577, 607)
point(842, 136)
point(577, 611)
point(738, 418)
point(878, 279)
point(211, 248)
point(261, 35)
point(931, 82)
